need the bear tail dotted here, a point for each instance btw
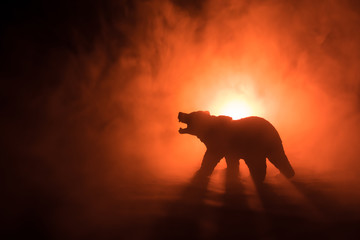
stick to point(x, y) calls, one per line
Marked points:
point(281, 162)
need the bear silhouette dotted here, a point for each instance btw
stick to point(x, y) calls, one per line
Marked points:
point(253, 139)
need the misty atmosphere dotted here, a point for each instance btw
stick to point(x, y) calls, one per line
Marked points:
point(90, 95)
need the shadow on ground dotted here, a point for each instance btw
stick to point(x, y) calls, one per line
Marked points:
point(278, 209)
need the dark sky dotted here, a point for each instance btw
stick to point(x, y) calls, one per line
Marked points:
point(90, 92)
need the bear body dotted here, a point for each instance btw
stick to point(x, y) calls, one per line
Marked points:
point(253, 139)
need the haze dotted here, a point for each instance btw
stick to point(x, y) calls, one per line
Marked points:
point(91, 91)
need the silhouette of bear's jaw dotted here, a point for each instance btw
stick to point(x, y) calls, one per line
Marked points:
point(183, 130)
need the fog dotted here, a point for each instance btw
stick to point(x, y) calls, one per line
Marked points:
point(91, 92)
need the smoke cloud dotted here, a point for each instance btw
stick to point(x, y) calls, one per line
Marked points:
point(91, 92)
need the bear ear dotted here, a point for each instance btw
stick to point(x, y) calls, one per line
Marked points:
point(207, 112)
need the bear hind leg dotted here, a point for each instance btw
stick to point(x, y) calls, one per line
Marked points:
point(257, 168)
point(282, 163)
point(232, 164)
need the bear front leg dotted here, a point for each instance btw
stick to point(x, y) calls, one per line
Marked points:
point(209, 162)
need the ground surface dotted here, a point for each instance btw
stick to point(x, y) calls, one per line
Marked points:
point(305, 207)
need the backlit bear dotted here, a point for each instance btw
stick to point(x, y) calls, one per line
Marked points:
point(253, 139)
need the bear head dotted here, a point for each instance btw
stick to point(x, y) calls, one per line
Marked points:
point(196, 122)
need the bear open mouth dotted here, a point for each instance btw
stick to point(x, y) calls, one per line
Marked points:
point(183, 130)
point(183, 118)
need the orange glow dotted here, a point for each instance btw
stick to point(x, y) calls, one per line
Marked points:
point(236, 109)
point(236, 101)
point(90, 98)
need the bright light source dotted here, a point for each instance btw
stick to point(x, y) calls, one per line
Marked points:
point(235, 109)
point(235, 96)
